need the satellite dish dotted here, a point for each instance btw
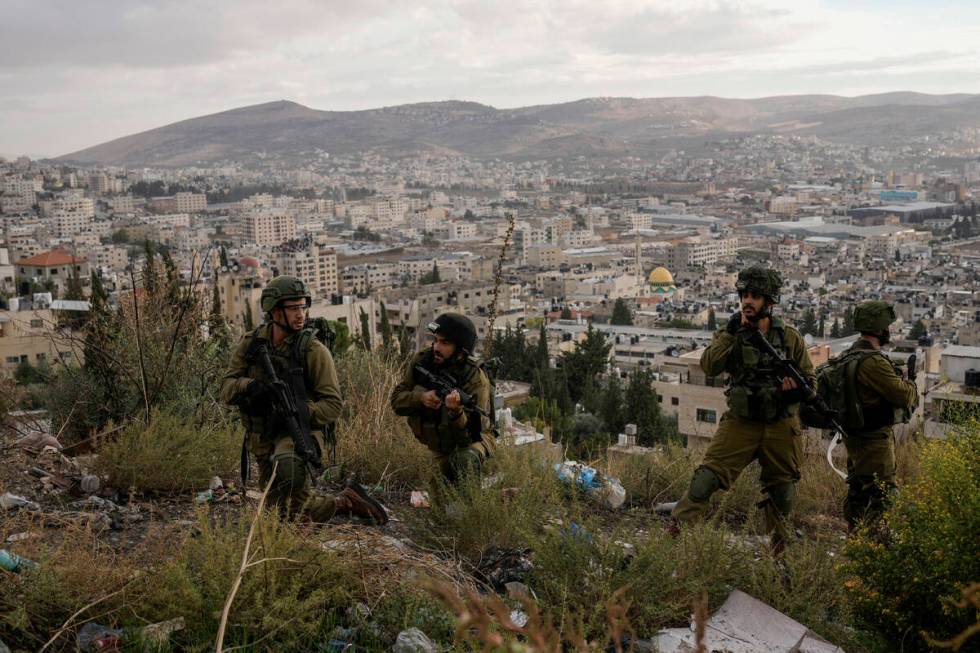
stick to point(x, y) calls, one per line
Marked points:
point(808, 339)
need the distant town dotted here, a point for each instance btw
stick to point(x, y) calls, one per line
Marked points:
point(572, 242)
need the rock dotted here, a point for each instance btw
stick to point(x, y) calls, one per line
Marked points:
point(157, 635)
point(413, 640)
point(3, 647)
point(516, 589)
point(665, 507)
point(215, 483)
point(19, 537)
point(420, 499)
point(90, 484)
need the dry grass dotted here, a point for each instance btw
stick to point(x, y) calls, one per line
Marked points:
point(371, 439)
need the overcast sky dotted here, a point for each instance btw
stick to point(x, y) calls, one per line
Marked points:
point(75, 74)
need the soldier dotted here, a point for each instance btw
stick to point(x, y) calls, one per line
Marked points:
point(460, 439)
point(762, 421)
point(886, 399)
point(305, 365)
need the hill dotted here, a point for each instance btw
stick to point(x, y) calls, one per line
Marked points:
point(595, 127)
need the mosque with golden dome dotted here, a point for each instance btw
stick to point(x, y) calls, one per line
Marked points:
point(661, 282)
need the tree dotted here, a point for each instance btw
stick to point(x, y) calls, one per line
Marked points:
point(712, 320)
point(365, 331)
point(621, 314)
point(431, 277)
point(386, 334)
point(223, 257)
point(642, 407)
point(150, 275)
point(918, 330)
point(809, 324)
point(587, 361)
point(566, 313)
point(835, 329)
point(611, 406)
point(216, 321)
point(822, 328)
point(249, 320)
point(847, 329)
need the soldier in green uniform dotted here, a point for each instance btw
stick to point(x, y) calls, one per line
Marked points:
point(886, 399)
point(762, 421)
point(306, 366)
point(459, 439)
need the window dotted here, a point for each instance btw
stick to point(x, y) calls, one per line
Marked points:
point(675, 401)
point(37, 324)
point(13, 359)
point(706, 415)
point(42, 356)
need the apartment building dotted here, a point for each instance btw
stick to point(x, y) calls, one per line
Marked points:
point(267, 227)
point(315, 264)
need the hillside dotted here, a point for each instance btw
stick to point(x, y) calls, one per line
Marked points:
point(595, 127)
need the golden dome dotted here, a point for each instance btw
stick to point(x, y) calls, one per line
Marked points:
point(661, 277)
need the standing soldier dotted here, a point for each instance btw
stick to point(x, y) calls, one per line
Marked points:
point(762, 421)
point(886, 399)
point(460, 438)
point(305, 365)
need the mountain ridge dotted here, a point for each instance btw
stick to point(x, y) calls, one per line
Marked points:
point(599, 126)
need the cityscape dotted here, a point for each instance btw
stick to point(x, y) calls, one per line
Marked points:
point(514, 327)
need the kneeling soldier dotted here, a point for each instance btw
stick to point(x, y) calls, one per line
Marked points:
point(305, 365)
point(460, 437)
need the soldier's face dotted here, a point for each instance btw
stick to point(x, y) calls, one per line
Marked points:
point(442, 350)
point(752, 304)
point(293, 313)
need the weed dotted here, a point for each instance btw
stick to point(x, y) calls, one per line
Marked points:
point(172, 453)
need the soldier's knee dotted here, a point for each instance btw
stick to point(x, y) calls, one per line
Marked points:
point(781, 496)
point(704, 483)
point(291, 476)
point(464, 462)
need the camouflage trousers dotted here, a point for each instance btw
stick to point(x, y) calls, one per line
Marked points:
point(292, 491)
point(778, 447)
point(870, 475)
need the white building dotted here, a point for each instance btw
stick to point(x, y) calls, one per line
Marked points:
point(268, 227)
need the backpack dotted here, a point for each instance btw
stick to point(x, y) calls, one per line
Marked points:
point(837, 386)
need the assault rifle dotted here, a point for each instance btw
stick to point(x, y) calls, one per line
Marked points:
point(444, 385)
point(285, 407)
point(810, 396)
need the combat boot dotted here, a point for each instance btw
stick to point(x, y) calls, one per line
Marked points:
point(354, 500)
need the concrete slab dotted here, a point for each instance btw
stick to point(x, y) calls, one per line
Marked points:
point(746, 625)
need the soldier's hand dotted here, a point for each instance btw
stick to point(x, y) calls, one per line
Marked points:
point(734, 323)
point(430, 399)
point(788, 384)
point(453, 402)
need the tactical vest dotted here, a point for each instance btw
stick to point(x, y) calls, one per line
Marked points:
point(755, 379)
point(290, 367)
point(436, 420)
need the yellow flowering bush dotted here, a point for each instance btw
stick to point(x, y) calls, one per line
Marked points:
point(905, 577)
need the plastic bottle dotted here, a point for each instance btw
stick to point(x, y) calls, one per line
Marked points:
point(13, 562)
point(95, 637)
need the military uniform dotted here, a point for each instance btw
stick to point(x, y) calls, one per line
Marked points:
point(886, 399)
point(271, 443)
point(762, 421)
point(458, 445)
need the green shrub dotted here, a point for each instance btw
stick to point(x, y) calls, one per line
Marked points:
point(173, 453)
point(292, 597)
point(904, 581)
point(467, 519)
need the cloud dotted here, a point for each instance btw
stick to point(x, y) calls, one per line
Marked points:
point(75, 74)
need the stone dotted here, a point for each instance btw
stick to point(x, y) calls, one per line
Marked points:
point(413, 640)
point(158, 634)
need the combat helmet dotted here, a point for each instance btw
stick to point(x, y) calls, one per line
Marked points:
point(761, 281)
point(457, 329)
point(284, 287)
point(873, 316)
